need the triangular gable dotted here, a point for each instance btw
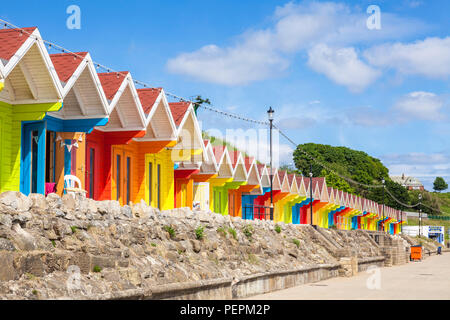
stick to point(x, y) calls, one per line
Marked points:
point(237, 161)
point(324, 196)
point(276, 183)
point(340, 196)
point(188, 130)
point(331, 196)
point(316, 189)
point(82, 91)
point(307, 184)
point(159, 122)
point(344, 199)
point(28, 72)
point(285, 187)
point(253, 177)
point(264, 175)
point(364, 205)
point(293, 183)
point(350, 202)
point(359, 203)
point(225, 169)
point(125, 109)
point(355, 202)
point(301, 186)
point(209, 166)
point(337, 198)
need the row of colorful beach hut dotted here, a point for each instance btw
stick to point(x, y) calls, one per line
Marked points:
point(59, 118)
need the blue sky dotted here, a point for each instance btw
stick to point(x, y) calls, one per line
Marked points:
point(330, 79)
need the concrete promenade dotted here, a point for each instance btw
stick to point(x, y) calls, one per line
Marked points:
point(429, 279)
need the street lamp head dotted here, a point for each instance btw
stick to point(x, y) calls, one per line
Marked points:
point(311, 174)
point(270, 113)
point(383, 181)
point(420, 196)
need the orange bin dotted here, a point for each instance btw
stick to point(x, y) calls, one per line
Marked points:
point(416, 253)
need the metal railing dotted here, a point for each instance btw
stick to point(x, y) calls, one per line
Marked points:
point(438, 217)
point(252, 212)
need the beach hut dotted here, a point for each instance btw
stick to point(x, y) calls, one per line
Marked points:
point(208, 170)
point(187, 154)
point(253, 184)
point(112, 165)
point(217, 193)
point(281, 197)
point(155, 175)
point(240, 177)
point(292, 199)
point(84, 107)
point(30, 89)
point(251, 209)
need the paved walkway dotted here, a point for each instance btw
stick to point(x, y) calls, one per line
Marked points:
point(429, 279)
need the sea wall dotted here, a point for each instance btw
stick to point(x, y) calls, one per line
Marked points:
point(78, 248)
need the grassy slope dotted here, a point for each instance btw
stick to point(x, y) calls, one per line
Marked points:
point(444, 201)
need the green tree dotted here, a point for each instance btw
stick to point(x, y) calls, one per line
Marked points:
point(430, 201)
point(440, 184)
point(356, 165)
point(336, 182)
point(198, 101)
point(397, 190)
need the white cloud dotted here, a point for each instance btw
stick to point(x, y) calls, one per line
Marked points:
point(266, 53)
point(429, 57)
point(425, 167)
point(418, 105)
point(342, 66)
point(299, 116)
point(229, 66)
point(421, 105)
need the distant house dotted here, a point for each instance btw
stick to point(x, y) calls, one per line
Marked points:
point(409, 183)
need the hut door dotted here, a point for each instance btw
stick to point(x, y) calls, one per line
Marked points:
point(217, 201)
point(201, 194)
point(32, 169)
point(153, 180)
point(122, 173)
point(231, 204)
point(183, 195)
point(92, 169)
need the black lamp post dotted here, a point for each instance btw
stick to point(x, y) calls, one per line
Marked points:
point(310, 192)
point(383, 181)
point(420, 215)
point(270, 113)
point(401, 220)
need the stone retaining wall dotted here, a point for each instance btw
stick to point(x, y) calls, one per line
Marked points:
point(365, 263)
point(138, 252)
point(273, 281)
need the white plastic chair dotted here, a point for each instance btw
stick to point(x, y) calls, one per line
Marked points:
point(72, 184)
